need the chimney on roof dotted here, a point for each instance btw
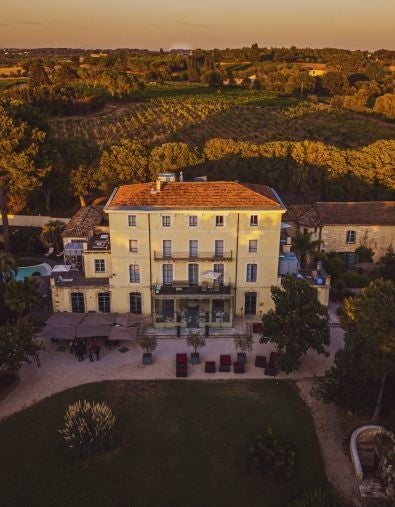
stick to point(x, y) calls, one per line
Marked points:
point(158, 185)
point(181, 176)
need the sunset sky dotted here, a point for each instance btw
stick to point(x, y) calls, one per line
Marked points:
point(152, 24)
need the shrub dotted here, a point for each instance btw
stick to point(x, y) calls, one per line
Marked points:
point(354, 280)
point(244, 342)
point(320, 497)
point(195, 340)
point(148, 343)
point(88, 428)
point(272, 456)
point(364, 254)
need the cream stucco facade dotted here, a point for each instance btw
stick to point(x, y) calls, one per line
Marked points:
point(187, 266)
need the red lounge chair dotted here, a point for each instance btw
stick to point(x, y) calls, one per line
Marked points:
point(181, 365)
point(273, 359)
point(260, 361)
point(271, 370)
point(209, 367)
point(181, 359)
point(225, 362)
point(238, 367)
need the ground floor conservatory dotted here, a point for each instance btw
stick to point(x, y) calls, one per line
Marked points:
point(194, 310)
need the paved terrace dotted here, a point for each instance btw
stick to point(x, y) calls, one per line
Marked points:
point(60, 370)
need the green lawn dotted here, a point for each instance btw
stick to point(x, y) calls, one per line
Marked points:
point(180, 444)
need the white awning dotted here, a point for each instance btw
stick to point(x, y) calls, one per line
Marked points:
point(61, 268)
point(212, 275)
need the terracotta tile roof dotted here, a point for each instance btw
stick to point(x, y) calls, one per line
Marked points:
point(211, 194)
point(358, 213)
point(303, 214)
point(333, 213)
point(83, 222)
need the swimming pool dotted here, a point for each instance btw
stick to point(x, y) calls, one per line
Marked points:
point(42, 269)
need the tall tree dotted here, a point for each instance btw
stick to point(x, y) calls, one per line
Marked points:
point(19, 174)
point(83, 180)
point(360, 371)
point(17, 345)
point(173, 157)
point(123, 163)
point(20, 296)
point(37, 76)
point(299, 322)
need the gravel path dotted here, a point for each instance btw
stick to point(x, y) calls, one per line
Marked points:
point(331, 428)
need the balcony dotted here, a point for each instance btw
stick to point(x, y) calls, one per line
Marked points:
point(184, 288)
point(191, 257)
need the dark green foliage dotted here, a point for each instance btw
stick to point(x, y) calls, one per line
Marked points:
point(321, 497)
point(359, 374)
point(353, 280)
point(20, 296)
point(272, 456)
point(17, 345)
point(299, 322)
point(364, 254)
point(26, 238)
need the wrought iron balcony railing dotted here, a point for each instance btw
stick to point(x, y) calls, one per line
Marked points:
point(193, 256)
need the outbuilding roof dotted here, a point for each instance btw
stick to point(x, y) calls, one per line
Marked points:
point(84, 221)
point(208, 194)
point(342, 213)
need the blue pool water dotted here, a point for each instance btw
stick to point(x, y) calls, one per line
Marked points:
point(25, 271)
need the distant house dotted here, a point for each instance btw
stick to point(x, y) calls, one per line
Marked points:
point(344, 226)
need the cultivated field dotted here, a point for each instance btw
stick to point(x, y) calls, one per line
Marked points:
point(188, 116)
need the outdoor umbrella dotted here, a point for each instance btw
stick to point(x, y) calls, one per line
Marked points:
point(99, 318)
point(123, 333)
point(93, 330)
point(128, 319)
point(211, 275)
point(59, 331)
point(65, 318)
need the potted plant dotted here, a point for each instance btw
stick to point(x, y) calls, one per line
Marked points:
point(149, 344)
point(197, 341)
point(244, 343)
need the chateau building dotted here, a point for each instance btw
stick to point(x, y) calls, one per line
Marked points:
point(186, 253)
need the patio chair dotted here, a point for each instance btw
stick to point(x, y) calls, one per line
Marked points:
point(181, 365)
point(209, 367)
point(225, 362)
point(260, 361)
point(238, 367)
point(271, 370)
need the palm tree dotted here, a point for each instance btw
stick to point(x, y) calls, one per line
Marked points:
point(303, 246)
point(52, 234)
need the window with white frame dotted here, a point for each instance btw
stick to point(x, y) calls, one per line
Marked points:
point(253, 245)
point(166, 248)
point(133, 246)
point(220, 268)
point(166, 221)
point(254, 220)
point(167, 270)
point(100, 265)
point(193, 274)
point(351, 237)
point(77, 302)
point(193, 221)
point(219, 248)
point(135, 303)
point(132, 220)
point(219, 220)
point(193, 248)
point(134, 273)
point(103, 302)
point(252, 270)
